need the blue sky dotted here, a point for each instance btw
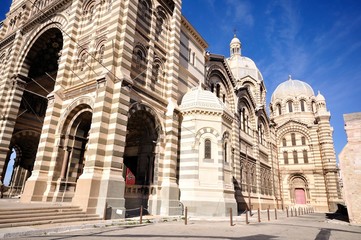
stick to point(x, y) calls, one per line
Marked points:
point(318, 42)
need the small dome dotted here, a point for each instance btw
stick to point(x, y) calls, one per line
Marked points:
point(235, 40)
point(320, 97)
point(203, 99)
point(292, 88)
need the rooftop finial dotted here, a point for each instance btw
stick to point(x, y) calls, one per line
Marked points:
point(289, 77)
point(235, 32)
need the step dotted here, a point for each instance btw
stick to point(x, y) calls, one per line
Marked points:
point(40, 208)
point(53, 221)
point(11, 214)
point(37, 218)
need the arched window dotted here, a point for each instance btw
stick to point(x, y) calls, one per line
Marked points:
point(303, 140)
point(305, 156)
point(225, 152)
point(218, 89)
point(82, 61)
point(313, 106)
point(101, 53)
point(261, 133)
point(295, 157)
point(279, 109)
point(144, 15)
point(160, 19)
point(157, 71)
point(290, 106)
point(247, 124)
point(139, 58)
point(302, 105)
point(212, 87)
point(285, 157)
point(284, 142)
point(207, 149)
point(244, 119)
point(293, 139)
point(88, 10)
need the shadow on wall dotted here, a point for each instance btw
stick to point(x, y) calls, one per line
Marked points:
point(340, 214)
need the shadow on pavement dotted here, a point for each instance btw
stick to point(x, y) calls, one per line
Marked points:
point(144, 236)
point(341, 213)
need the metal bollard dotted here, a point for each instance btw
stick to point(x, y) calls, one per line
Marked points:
point(287, 211)
point(291, 212)
point(268, 217)
point(230, 217)
point(275, 213)
point(185, 215)
point(247, 216)
point(259, 215)
point(141, 215)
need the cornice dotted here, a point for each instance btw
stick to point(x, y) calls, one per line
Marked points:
point(194, 33)
point(7, 40)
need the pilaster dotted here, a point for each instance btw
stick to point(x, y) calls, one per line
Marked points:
point(8, 117)
point(38, 182)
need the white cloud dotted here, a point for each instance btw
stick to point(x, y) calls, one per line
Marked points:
point(239, 12)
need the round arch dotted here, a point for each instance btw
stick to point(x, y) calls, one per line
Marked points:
point(59, 22)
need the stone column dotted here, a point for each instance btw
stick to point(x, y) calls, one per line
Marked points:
point(41, 176)
point(102, 183)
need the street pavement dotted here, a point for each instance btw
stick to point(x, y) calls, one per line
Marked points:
point(311, 226)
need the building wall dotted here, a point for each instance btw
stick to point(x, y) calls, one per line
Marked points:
point(350, 163)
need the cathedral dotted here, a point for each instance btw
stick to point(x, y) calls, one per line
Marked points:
point(113, 105)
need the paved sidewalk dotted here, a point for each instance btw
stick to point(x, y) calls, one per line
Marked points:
point(311, 226)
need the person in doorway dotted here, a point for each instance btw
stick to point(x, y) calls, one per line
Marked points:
point(1, 187)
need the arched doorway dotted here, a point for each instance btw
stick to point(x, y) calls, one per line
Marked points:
point(139, 160)
point(72, 151)
point(19, 164)
point(299, 189)
point(38, 71)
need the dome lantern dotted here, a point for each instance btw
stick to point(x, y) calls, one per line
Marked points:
point(235, 46)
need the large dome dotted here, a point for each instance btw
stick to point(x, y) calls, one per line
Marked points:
point(292, 88)
point(244, 66)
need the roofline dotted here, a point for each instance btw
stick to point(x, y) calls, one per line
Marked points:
point(194, 32)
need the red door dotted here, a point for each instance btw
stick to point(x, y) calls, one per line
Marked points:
point(300, 196)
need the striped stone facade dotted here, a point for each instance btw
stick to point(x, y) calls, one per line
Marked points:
point(113, 104)
point(308, 170)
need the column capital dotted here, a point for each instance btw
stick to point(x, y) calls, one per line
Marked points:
point(19, 81)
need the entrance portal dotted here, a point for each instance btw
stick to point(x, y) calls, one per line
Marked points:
point(40, 67)
point(139, 161)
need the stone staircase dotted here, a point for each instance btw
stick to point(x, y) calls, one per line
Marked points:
point(39, 215)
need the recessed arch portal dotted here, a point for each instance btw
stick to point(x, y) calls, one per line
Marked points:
point(72, 150)
point(299, 190)
point(140, 159)
point(38, 70)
